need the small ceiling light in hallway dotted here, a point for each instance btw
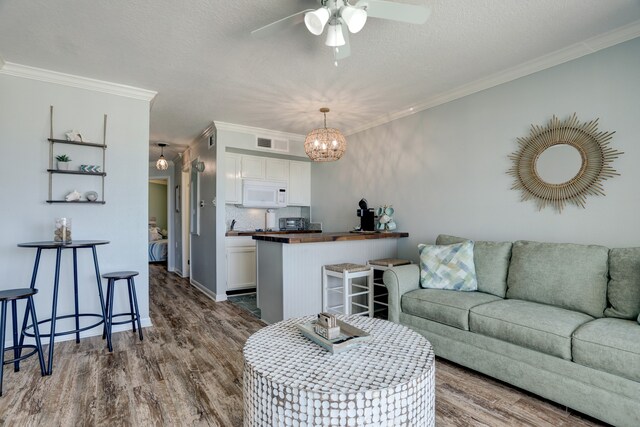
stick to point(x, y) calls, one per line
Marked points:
point(162, 164)
point(325, 144)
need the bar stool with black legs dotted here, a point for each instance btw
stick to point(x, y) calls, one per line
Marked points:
point(134, 312)
point(14, 295)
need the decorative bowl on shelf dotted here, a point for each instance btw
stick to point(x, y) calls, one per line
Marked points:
point(91, 196)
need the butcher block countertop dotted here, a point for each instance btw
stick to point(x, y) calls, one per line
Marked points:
point(326, 237)
point(254, 233)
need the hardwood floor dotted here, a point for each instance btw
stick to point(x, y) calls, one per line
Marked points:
point(188, 371)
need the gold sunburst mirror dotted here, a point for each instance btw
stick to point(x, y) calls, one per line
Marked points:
point(563, 162)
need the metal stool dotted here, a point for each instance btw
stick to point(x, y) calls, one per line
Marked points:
point(14, 295)
point(348, 272)
point(381, 298)
point(133, 304)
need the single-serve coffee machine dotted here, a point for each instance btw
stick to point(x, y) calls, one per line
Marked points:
point(367, 216)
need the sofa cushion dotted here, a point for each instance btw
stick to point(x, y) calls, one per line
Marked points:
point(562, 274)
point(609, 345)
point(623, 291)
point(492, 263)
point(448, 267)
point(448, 307)
point(536, 326)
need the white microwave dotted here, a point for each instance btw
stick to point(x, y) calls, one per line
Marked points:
point(264, 194)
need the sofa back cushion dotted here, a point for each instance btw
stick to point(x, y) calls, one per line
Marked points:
point(492, 263)
point(623, 292)
point(561, 274)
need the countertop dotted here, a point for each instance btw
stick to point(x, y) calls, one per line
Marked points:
point(253, 232)
point(325, 237)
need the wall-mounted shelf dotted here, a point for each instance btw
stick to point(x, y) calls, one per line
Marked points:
point(52, 141)
point(77, 172)
point(86, 202)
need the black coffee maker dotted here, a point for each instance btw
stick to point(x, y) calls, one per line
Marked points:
point(367, 216)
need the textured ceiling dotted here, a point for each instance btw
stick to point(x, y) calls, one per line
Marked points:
point(200, 57)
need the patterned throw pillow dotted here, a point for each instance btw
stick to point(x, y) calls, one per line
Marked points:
point(448, 267)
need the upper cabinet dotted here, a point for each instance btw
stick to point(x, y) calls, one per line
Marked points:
point(277, 170)
point(299, 183)
point(296, 174)
point(232, 178)
point(253, 167)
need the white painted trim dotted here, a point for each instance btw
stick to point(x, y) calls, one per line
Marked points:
point(208, 292)
point(575, 51)
point(267, 133)
point(97, 331)
point(40, 74)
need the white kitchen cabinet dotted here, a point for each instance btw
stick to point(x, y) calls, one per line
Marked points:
point(277, 170)
point(299, 183)
point(253, 167)
point(233, 179)
point(241, 263)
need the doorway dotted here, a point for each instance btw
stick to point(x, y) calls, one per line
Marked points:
point(185, 197)
point(159, 221)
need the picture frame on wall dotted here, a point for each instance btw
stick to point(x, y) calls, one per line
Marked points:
point(177, 198)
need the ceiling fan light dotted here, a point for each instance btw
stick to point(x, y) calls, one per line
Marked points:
point(316, 20)
point(335, 37)
point(354, 17)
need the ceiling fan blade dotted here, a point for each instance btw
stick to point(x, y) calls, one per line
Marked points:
point(410, 13)
point(344, 51)
point(280, 24)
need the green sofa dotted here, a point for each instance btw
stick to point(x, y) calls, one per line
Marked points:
point(558, 320)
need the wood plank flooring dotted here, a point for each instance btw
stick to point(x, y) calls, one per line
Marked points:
point(188, 371)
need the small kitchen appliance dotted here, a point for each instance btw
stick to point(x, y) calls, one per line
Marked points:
point(293, 223)
point(367, 216)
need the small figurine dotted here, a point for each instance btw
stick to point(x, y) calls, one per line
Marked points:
point(75, 136)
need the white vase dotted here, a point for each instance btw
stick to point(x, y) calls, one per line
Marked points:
point(63, 166)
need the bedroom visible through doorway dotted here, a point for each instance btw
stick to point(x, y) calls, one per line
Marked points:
point(159, 221)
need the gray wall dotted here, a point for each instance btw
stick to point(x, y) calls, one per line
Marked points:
point(444, 169)
point(203, 247)
point(25, 217)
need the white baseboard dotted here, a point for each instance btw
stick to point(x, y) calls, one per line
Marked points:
point(208, 292)
point(97, 331)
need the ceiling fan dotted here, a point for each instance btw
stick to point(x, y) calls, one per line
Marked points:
point(342, 18)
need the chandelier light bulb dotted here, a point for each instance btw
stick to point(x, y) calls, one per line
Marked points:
point(316, 20)
point(335, 37)
point(354, 17)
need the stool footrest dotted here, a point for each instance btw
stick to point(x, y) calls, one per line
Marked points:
point(122, 322)
point(17, 359)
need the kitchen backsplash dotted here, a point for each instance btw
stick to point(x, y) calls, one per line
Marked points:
point(251, 218)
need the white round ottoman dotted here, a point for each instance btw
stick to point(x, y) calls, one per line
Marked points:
point(291, 381)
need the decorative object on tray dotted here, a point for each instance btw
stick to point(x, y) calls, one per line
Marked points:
point(62, 230)
point(348, 336)
point(75, 136)
point(73, 196)
point(327, 327)
point(584, 142)
point(63, 162)
point(385, 218)
point(91, 196)
point(90, 168)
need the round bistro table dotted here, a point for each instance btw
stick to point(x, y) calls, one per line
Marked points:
point(291, 381)
point(59, 247)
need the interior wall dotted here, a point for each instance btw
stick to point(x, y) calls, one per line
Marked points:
point(25, 217)
point(444, 169)
point(158, 204)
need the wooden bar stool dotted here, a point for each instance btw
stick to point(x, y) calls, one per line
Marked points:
point(348, 272)
point(14, 295)
point(134, 312)
point(380, 293)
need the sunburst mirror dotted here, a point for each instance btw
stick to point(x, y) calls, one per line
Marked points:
point(563, 162)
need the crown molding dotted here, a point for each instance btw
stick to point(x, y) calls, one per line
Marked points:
point(575, 51)
point(48, 76)
point(259, 131)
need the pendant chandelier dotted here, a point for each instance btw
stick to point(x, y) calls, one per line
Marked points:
point(162, 164)
point(325, 144)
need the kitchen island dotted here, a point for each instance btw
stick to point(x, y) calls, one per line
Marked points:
point(290, 267)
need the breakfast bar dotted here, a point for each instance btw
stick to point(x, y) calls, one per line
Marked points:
point(290, 266)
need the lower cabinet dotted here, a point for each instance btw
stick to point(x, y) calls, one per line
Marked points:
point(241, 263)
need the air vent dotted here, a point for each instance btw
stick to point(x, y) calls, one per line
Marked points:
point(281, 145)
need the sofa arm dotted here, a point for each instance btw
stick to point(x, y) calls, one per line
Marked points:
point(399, 281)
